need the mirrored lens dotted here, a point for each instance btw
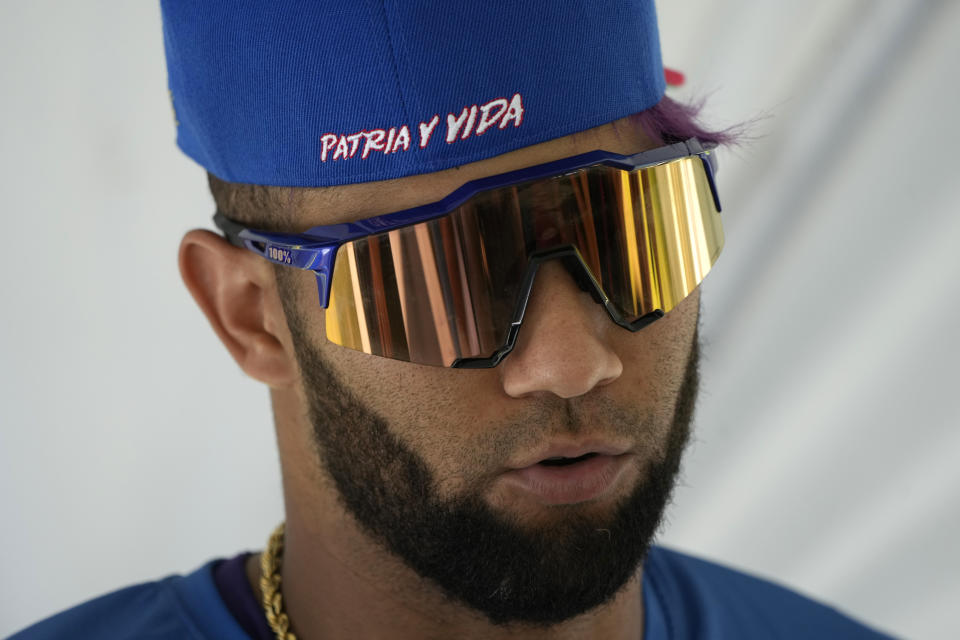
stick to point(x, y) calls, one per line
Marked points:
point(433, 292)
point(648, 236)
point(447, 289)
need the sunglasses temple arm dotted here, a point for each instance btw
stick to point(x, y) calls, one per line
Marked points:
point(284, 249)
point(710, 169)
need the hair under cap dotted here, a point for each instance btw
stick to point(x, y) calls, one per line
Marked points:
point(313, 93)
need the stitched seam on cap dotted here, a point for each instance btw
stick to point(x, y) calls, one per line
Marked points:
point(393, 60)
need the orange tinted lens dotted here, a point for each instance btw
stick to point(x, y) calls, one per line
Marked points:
point(431, 293)
point(446, 289)
point(648, 236)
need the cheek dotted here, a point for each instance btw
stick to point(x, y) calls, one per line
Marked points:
point(441, 414)
point(655, 359)
point(665, 341)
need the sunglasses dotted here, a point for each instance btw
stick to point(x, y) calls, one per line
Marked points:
point(447, 283)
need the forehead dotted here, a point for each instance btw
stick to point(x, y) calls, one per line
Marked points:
point(333, 205)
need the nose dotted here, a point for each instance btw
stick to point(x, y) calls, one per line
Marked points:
point(563, 345)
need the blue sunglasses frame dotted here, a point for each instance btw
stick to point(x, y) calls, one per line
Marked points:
point(315, 249)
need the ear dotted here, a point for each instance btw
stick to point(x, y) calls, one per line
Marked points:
point(237, 291)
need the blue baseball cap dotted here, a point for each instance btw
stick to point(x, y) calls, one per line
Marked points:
point(313, 93)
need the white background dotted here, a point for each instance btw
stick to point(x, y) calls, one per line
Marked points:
point(827, 454)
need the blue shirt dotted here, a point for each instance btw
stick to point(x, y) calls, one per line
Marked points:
point(683, 597)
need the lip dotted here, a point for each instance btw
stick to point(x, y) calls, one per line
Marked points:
point(571, 450)
point(572, 484)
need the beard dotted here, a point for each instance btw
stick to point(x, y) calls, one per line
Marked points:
point(481, 558)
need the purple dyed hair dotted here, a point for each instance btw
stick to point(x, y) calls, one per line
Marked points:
point(670, 121)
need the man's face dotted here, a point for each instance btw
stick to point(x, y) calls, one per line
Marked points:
point(425, 458)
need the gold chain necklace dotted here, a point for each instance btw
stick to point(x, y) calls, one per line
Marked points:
point(270, 561)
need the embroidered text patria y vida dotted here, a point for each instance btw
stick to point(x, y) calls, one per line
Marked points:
point(472, 120)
